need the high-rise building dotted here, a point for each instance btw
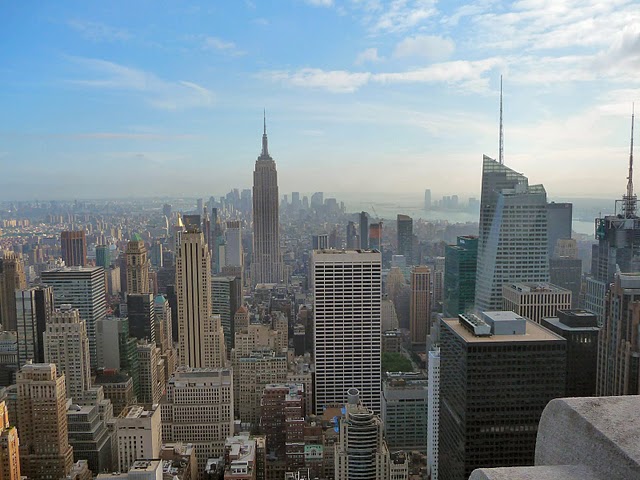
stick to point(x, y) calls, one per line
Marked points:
point(347, 287)
point(405, 237)
point(12, 278)
point(82, 288)
point(580, 329)
point(9, 447)
point(427, 199)
point(138, 434)
point(199, 331)
point(352, 236)
point(364, 231)
point(151, 373)
point(74, 248)
point(512, 245)
point(198, 409)
point(559, 218)
point(433, 412)
point(535, 300)
point(45, 452)
point(118, 388)
point(233, 239)
point(103, 256)
point(618, 343)
point(89, 436)
point(164, 334)
point(420, 304)
point(138, 264)
point(157, 255)
point(67, 346)
point(226, 298)
point(497, 374)
point(375, 236)
point(460, 275)
point(404, 403)
point(34, 307)
point(565, 268)
point(142, 316)
point(266, 262)
point(320, 242)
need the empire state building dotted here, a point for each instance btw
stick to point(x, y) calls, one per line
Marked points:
point(267, 264)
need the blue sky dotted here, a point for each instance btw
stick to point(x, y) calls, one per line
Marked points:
point(152, 98)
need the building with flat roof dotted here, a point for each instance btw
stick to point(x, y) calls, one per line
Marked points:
point(404, 403)
point(498, 371)
point(535, 300)
point(138, 435)
point(461, 261)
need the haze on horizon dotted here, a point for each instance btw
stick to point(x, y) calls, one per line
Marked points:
point(114, 100)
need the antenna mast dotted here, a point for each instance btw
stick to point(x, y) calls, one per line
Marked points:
point(630, 200)
point(501, 151)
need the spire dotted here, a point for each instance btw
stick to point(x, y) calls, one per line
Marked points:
point(630, 200)
point(501, 149)
point(265, 146)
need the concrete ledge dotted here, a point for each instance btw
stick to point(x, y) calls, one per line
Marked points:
point(600, 432)
point(558, 472)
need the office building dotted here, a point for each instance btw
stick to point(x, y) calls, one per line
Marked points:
point(559, 218)
point(200, 335)
point(118, 388)
point(9, 447)
point(138, 435)
point(512, 245)
point(198, 409)
point(142, 316)
point(565, 268)
point(347, 288)
point(138, 265)
point(34, 307)
point(404, 408)
point(151, 373)
point(420, 304)
point(364, 231)
point(45, 452)
point(319, 242)
point(117, 349)
point(74, 248)
point(352, 236)
point(361, 451)
point(82, 288)
point(427, 199)
point(12, 278)
point(266, 264)
point(433, 412)
point(103, 256)
point(233, 240)
point(535, 300)
point(375, 236)
point(618, 237)
point(437, 283)
point(580, 329)
point(8, 358)
point(89, 437)
point(226, 299)
point(461, 261)
point(67, 346)
point(405, 238)
point(497, 374)
point(618, 343)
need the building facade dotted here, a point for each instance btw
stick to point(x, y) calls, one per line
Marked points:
point(420, 304)
point(74, 248)
point(535, 300)
point(461, 262)
point(34, 307)
point(138, 264)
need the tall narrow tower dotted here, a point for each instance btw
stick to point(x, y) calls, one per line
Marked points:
point(137, 266)
point(267, 264)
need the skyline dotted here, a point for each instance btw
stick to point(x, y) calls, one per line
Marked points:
point(173, 96)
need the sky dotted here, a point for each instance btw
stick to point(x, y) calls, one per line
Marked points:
point(371, 97)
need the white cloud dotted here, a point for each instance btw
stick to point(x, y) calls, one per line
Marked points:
point(397, 15)
point(336, 81)
point(99, 31)
point(370, 55)
point(217, 44)
point(319, 3)
point(430, 47)
point(159, 93)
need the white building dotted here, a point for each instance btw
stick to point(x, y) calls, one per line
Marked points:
point(433, 413)
point(198, 409)
point(138, 434)
point(535, 300)
point(347, 287)
point(233, 241)
point(83, 288)
point(66, 344)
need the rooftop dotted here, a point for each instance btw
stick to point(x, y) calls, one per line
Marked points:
point(534, 333)
point(523, 287)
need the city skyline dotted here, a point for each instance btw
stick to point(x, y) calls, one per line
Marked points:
point(396, 86)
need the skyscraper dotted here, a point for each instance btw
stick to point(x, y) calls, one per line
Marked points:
point(266, 262)
point(559, 217)
point(347, 287)
point(226, 298)
point(497, 374)
point(427, 199)
point(45, 452)
point(82, 288)
point(74, 248)
point(405, 237)
point(34, 307)
point(352, 236)
point(103, 256)
point(9, 447)
point(364, 231)
point(137, 266)
point(233, 238)
point(67, 346)
point(433, 412)
point(535, 300)
point(460, 275)
point(12, 278)
point(198, 329)
point(420, 304)
point(142, 318)
point(512, 245)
